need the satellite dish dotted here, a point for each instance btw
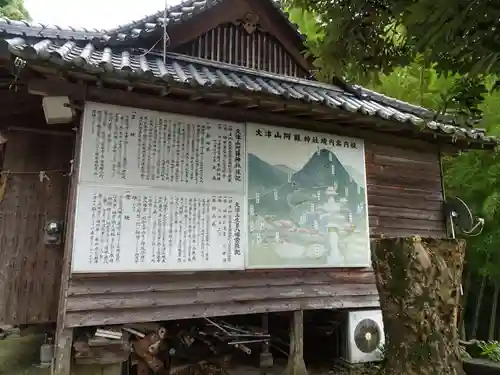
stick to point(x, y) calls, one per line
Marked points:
point(367, 336)
point(461, 217)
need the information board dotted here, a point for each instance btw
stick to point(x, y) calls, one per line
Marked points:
point(145, 229)
point(126, 146)
point(307, 204)
point(164, 192)
point(159, 192)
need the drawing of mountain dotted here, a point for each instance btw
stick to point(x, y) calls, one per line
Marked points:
point(263, 177)
point(285, 169)
point(323, 169)
point(358, 177)
point(307, 188)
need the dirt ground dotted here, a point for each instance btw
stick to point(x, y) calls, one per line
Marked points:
point(19, 354)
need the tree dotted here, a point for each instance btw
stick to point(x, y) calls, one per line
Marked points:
point(357, 39)
point(13, 9)
point(457, 36)
point(417, 79)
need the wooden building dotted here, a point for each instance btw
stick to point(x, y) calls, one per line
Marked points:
point(234, 60)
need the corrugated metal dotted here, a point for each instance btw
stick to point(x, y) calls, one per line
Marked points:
point(116, 299)
point(193, 72)
point(233, 44)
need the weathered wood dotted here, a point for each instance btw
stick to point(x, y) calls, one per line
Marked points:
point(214, 296)
point(230, 43)
point(404, 193)
point(406, 213)
point(96, 284)
point(91, 369)
point(64, 335)
point(144, 314)
point(403, 179)
point(62, 351)
point(266, 359)
point(296, 364)
point(401, 201)
point(29, 269)
point(417, 281)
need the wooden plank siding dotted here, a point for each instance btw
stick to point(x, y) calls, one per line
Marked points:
point(405, 197)
point(232, 44)
point(30, 270)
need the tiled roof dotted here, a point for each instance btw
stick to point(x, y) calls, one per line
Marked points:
point(25, 29)
point(184, 70)
point(175, 14)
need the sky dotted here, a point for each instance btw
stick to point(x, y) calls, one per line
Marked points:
point(99, 14)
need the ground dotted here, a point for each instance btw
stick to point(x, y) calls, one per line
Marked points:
point(19, 354)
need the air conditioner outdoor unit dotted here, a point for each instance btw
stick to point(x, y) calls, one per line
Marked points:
point(363, 336)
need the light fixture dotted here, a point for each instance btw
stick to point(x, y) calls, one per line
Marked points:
point(53, 232)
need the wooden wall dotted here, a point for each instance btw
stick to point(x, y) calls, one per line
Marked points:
point(404, 195)
point(29, 270)
point(232, 44)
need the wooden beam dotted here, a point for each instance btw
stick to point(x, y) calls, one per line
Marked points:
point(296, 364)
point(169, 104)
point(64, 335)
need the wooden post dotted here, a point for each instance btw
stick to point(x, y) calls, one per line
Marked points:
point(296, 364)
point(266, 357)
point(64, 336)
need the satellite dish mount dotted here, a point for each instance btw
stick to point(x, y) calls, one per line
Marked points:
point(461, 218)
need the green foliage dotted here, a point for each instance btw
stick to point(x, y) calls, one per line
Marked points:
point(490, 350)
point(380, 43)
point(13, 9)
point(359, 39)
point(458, 36)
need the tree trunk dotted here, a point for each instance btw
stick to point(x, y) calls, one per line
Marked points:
point(493, 316)
point(466, 287)
point(477, 312)
point(417, 281)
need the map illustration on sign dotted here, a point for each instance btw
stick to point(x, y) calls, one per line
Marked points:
point(307, 204)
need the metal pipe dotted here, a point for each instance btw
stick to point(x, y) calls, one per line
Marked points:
point(449, 221)
point(165, 33)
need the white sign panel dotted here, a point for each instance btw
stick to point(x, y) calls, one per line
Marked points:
point(141, 229)
point(165, 192)
point(307, 204)
point(126, 146)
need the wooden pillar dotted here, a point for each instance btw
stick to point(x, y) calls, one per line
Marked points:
point(296, 364)
point(62, 351)
point(266, 357)
point(64, 335)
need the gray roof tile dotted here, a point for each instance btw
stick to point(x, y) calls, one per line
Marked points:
point(25, 29)
point(181, 69)
point(144, 26)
